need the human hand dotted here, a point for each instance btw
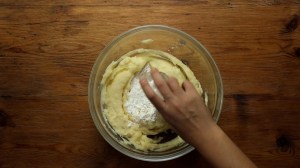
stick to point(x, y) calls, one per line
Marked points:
point(182, 106)
point(185, 110)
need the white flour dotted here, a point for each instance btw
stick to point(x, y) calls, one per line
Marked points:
point(138, 105)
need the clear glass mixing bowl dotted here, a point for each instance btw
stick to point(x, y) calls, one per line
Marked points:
point(167, 39)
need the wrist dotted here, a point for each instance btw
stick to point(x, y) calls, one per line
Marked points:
point(206, 135)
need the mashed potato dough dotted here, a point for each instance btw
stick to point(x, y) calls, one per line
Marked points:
point(116, 83)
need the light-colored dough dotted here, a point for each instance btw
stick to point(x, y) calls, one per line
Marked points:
point(116, 85)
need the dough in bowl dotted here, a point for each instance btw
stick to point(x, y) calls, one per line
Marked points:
point(126, 108)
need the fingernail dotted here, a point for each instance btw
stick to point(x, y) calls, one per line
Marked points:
point(143, 79)
point(154, 69)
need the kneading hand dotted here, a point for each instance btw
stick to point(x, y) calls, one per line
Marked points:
point(185, 110)
point(182, 106)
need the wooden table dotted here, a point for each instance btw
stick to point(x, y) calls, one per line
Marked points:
point(47, 50)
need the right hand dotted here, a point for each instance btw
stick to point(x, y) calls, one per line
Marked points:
point(185, 110)
point(182, 107)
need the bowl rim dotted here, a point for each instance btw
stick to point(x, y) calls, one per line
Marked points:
point(91, 84)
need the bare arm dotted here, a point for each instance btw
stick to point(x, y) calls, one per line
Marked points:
point(185, 110)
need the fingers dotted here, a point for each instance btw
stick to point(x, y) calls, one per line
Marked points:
point(174, 86)
point(161, 84)
point(155, 99)
point(188, 87)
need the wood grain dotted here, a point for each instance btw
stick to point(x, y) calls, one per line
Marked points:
point(47, 50)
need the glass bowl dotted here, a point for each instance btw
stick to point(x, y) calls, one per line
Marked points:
point(170, 40)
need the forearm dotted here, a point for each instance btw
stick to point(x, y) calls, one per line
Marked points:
point(219, 150)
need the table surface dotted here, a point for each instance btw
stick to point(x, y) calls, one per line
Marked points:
point(47, 50)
